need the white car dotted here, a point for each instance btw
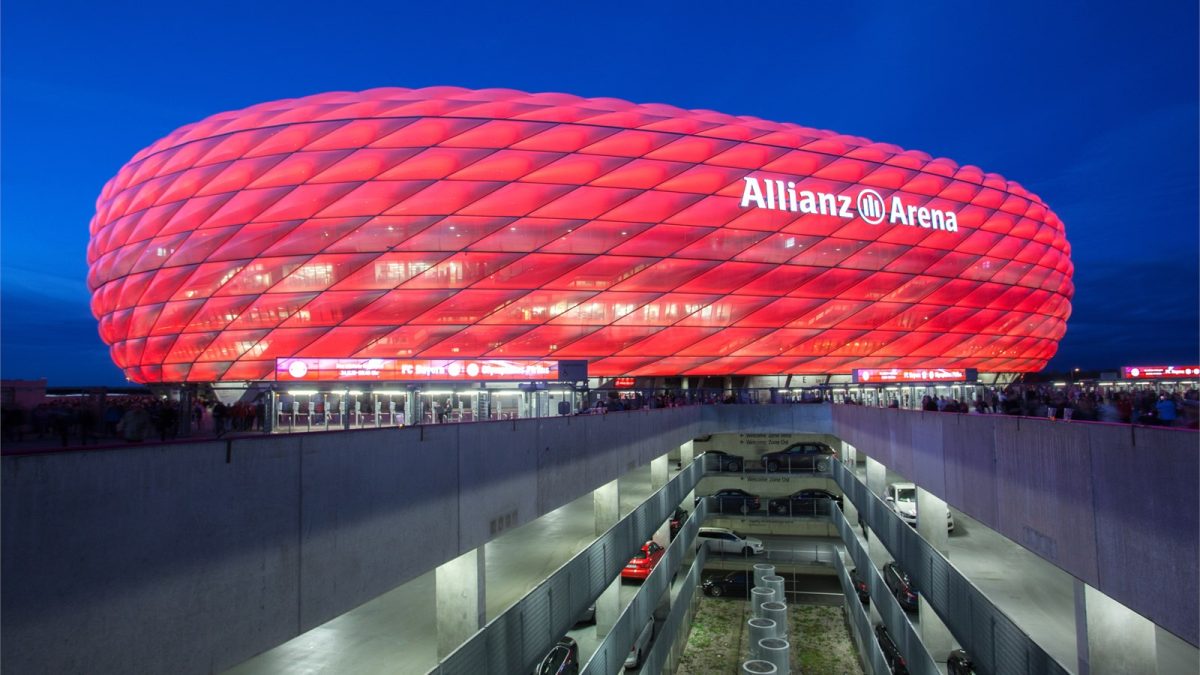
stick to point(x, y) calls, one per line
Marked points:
point(640, 646)
point(902, 498)
point(728, 541)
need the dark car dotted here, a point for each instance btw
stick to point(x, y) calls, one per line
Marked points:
point(805, 503)
point(733, 584)
point(800, 457)
point(732, 500)
point(898, 582)
point(959, 663)
point(587, 618)
point(891, 653)
point(563, 659)
point(677, 520)
point(715, 460)
point(860, 587)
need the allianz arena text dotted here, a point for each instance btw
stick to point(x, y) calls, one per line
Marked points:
point(446, 223)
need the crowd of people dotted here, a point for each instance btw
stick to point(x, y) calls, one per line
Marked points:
point(79, 420)
point(83, 421)
point(1137, 405)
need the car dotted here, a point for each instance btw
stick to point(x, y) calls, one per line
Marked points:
point(860, 587)
point(891, 653)
point(640, 646)
point(727, 541)
point(811, 502)
point(588, 617)
point(959, 663)
point(902, 498)
point(677, 520)
point(901, 586)
point(715, 460)
point(800, 457)
point(733, 500)
point(563, 659)
point(643, 562)
point(732, 584)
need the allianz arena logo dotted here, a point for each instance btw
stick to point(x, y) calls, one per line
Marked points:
point(869, 205)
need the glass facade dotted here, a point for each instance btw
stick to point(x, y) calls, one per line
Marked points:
point(446, 223)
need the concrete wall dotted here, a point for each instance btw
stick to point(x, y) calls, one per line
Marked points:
point(1116, 506)
point(172, 559)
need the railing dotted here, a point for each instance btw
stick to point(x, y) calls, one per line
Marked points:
point(519, 638)
point(610, 656)
point(681, 610)
point(996, 645)
point(856, 613)
point(898, 626)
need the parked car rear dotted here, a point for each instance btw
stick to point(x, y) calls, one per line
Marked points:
point(641, 645)
point(563, 659)
point(643, 562)
point(891, 653)
point(901, 586)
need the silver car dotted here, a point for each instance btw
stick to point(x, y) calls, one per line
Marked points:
point(727, 541)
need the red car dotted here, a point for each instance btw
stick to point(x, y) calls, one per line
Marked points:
point(643, 561)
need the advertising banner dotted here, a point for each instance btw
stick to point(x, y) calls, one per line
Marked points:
point(413, 370)
point(914, 375)
point(1159, 372)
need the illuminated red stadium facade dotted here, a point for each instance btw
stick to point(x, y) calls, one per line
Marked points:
point(649, 240)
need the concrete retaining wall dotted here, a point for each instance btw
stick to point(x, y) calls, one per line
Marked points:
point(170, 559)
point(1116, 506)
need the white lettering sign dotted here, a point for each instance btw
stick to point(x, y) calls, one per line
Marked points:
point(778, 195)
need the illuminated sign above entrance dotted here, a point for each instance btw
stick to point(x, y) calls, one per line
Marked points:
point(1159, 372)
point(914, 375)
point(413, 370)
point(869, 205)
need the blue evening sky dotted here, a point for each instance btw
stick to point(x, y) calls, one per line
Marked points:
point(1093, 106)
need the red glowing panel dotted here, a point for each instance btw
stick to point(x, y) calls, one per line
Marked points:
point(394, 223)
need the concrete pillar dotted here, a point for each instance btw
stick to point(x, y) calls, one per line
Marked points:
point(460, 591)
point(876, 477)
point(606, 501)
point(687, 453)
point(606, 506)
point(658, 472)
point(849, 455)
point(1111, 638)
point(877, 551)
point(412, 408)
point(1175, 656)
point(931, 521)
point(608, 608)
point(851, 512)
point(933, 631)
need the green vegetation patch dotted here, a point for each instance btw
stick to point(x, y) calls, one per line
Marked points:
point(718, 643)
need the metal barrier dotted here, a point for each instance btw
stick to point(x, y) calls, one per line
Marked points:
point(516, 640)
point(609, 657)
point(996, 645)
point(898, 626)
point(856, 614)
point(681, 610)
